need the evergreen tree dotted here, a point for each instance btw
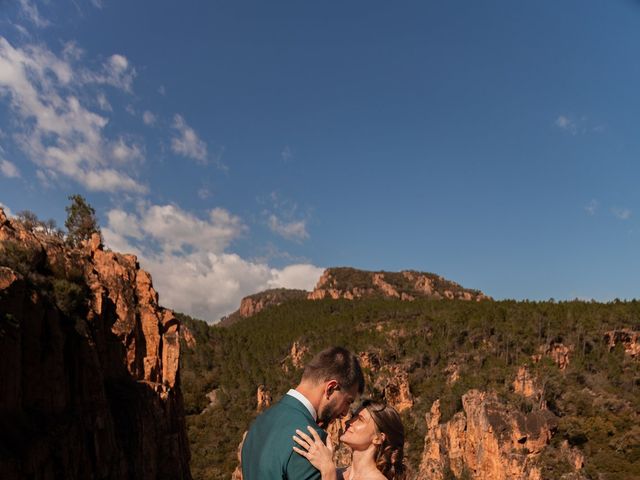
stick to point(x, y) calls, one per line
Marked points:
point(81, 220)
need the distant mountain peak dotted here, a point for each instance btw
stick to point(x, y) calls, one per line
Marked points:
point(351, 283)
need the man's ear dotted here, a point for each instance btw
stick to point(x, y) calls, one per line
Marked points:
point(330, 387)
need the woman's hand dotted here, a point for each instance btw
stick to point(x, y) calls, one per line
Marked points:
point(319, 454)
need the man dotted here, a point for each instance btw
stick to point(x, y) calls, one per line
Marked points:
point(330, 383)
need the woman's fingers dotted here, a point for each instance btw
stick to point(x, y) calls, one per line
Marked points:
point(304, 436)
point(301, 442)
point(300, 451)
point(314, 434)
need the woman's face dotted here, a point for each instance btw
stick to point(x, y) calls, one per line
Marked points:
point(361, 430)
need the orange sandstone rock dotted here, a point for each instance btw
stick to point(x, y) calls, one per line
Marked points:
point(628, 338)
point(489, 440)
point(100, 389)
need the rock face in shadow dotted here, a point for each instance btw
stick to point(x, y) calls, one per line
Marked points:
point(89, 371)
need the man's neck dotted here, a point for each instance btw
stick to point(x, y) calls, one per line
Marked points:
point(312, 393)
point(305, 401)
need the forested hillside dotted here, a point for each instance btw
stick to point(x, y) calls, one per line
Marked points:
point(582, 375)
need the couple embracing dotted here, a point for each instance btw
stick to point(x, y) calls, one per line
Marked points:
point(288, 441)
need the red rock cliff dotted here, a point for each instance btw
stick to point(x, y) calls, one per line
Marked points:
point(85, 395)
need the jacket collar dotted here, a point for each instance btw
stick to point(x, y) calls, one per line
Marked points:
point(298, 405)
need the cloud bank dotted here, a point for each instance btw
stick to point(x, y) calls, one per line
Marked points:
point(52, 126)
point(189, 258)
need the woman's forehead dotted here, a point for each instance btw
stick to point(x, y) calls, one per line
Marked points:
point(363, 413)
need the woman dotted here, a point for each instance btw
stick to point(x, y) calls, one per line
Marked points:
point(375, 434)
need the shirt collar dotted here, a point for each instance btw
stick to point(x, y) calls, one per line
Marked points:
point(305, 401)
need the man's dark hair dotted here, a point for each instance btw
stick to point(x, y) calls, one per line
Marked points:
point(335, 363)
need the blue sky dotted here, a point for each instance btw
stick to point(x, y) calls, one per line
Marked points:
point(237, 146)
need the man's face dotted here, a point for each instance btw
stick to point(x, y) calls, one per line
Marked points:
point(337, 404)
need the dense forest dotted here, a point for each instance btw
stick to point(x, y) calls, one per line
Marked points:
point(596, 395)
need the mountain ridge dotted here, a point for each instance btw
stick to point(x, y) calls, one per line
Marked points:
point(351, 283)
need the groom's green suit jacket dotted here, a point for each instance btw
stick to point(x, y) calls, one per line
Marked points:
point(267, 452)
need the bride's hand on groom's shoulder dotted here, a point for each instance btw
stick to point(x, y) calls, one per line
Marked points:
point(319, 454)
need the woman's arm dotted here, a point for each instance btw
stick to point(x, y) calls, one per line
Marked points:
point(320, 455)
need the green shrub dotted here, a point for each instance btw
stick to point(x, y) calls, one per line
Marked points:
point(69, 297)
point(22, 258)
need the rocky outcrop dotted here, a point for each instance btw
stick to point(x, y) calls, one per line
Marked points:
point(393, 382)
point(453, 373)
point(558, 352)
point(526, 385)
point(212, 397)
point(370, 361)
point(295, 357)
point(342, 453)
point(488, 440)
point(189, 340)
point(629, 339)
point(90, 381)
point(254, 304)
point(350, 283)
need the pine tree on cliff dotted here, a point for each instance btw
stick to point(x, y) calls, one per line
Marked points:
point(81, 220)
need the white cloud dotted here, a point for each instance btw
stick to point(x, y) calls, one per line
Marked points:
point(283, 218)
point(71, 51)
point(148, 118)
point(621, 213)
point(565, 123)
point(179, 230)
point(296, 230)
point(116, 72)
point(46, 178)
point(121, 221)
point(187, 142)
point(204, 193)
point(287, 153)
point(581, 125)
point(104, 103)
point(30, 11)
point(592, 207)
point(189, 260)
point(124, 153)
point(21, 30)
point(54, 129)
point(303, 276)
point(97, 3)
point(161, 90)
point(8, 169)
